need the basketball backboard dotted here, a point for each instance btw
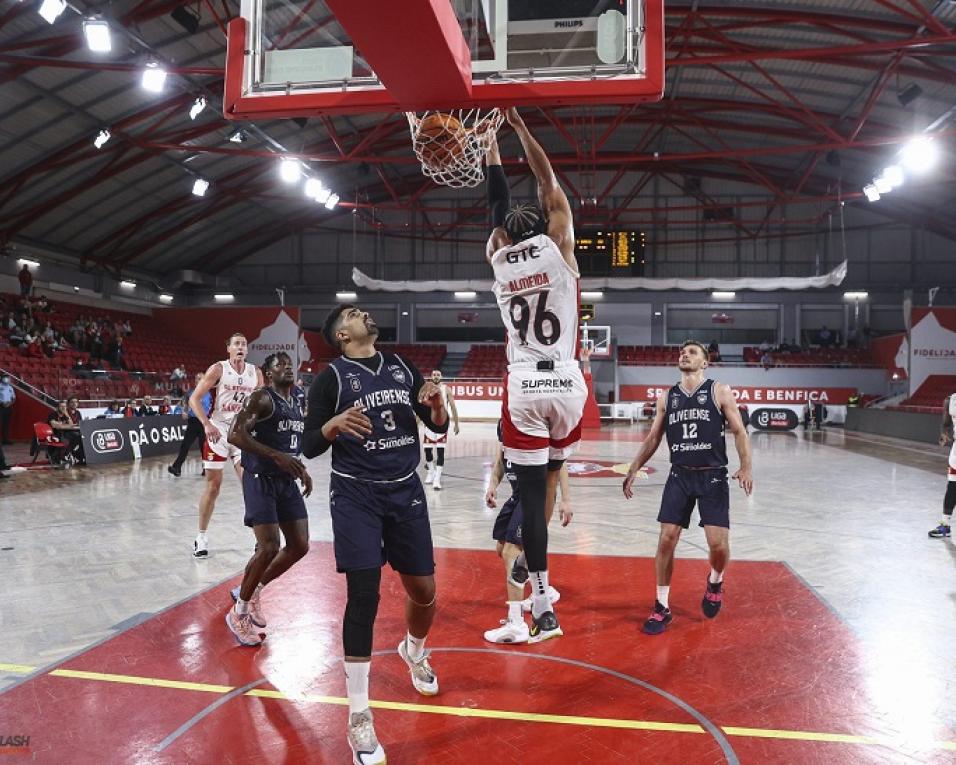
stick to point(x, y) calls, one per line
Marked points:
point(289, 58)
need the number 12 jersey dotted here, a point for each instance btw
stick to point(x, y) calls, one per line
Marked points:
point(537, 294)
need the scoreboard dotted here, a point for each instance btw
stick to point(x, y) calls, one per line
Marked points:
point(610, 252)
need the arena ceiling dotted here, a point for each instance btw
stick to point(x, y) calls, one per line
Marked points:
point(801, 100)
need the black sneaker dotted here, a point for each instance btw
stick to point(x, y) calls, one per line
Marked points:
point(940, 532)
point(657, 622)
point(174, 470)
point(713, 598)
point(544, 627)
point(519, 574)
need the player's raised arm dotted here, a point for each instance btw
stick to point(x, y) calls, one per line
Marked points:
point(553, 200)
point(728, 405)
point(499, 200)
point(649, 446)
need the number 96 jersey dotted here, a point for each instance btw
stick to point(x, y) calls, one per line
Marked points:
point(537, 293)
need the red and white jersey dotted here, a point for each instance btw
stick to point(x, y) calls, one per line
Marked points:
point(537, 293)
point(232, 391)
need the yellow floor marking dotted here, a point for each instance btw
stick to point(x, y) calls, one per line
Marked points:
point(492, 714)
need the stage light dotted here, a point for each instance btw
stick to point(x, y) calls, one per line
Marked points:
point(592, 295)
point(855, 295)
point(894, 175)
point(50, 10)
point(290, 170)
point(196, 109)
point(313, 186)
point(322, 196)
point(882, 185)
point(872, 194)
point(97, 34)
point(128, 284)
point(332, 201)
point(920, 155)
point(164, 298)
point(722, 295)
point(224, 297)
point(346, 295)
point(154, 77)
point(200, 187)
point(101, 138)
point(466, 294)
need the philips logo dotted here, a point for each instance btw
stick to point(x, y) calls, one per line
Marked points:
point(568, 23)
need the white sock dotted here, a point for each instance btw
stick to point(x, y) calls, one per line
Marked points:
point(201, 535)
point(514, 611)
point(662, 594)
point(716, 577)
point(540, 602)
point(414, 646)
point(242, 607)
point(947, 519)
point(356, 683)
point(438, 469)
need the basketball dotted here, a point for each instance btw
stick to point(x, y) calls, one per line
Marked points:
point(440, 140)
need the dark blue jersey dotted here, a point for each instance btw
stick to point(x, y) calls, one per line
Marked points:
point(282, 431)
point(299, 395)
point(695, 427)
point(385, 393)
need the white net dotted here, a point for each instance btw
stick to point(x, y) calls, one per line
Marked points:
point(452, 145)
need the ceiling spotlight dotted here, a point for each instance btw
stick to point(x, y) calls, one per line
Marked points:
point(313, 186)
point(154, 77)
point(920, 155)
point(200, 186)
point(346, 295)
point(224, 297)
point(237, 137)
point(289, 170)
point(27, 262)
point(909, 94)
point(855, 295)
point(882, 185)
point(128, 284)
point(322, 196)
point(723, 295)
point(597, 295)
point(196, 109)
point(872, 193)
point(101, 138)
point(332, 201)
point(50, 10)
point(164, 298)
point(465, 294)
point(97, 33)
point(894, 174)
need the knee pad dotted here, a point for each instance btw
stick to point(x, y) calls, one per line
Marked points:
point(360, 611)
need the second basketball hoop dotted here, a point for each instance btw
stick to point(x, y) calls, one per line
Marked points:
point(452, 145)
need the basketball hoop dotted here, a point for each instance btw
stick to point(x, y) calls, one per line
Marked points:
point(452, 145)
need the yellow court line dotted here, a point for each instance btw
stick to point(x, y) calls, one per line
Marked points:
point(494, 714)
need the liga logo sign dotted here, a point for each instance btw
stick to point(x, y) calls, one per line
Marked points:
point(107, 440)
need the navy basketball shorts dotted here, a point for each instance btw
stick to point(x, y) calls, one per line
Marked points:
point(375, 523)
point(508, 523)
point(707, 489)
point(272, 499)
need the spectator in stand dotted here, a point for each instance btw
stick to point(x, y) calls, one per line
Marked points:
point(17, 335)
point(179, 373)
point(66, 430)
point(32, 347)
point(127, 328)
point(764, 347)
point(853, 400)
point(8, 397)
point(115, 409)
point(194, 429)
point(825, 337)
point(76, 416)
point(44, 305)
point(26, 281)
point(166, 407)
point(129, 409)
point(146, 408)
point(766, 359)
point(116, 355)
point(713, 351)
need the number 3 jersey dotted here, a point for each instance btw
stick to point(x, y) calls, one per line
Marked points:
point(384, 394)
point(281, 430)
point(537, 293)
point(695, 427)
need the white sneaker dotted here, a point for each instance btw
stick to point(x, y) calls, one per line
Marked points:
point(242, 627)
point(201, 547)
point(552, 593)
point(429, 476)
point(423, 676)
point(436, 484)
point(255, 607)
point(362, 739)
point(508, 632)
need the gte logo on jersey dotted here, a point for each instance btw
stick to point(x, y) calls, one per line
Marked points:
point(523, 255)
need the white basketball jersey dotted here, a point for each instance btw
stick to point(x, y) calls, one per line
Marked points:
point(537, 293)
point(233, 390)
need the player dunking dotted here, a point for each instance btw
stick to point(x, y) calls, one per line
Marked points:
point(694, 413)
point(434, 464)
point(531, 251)
point(234, 380)
point(268, 430)
point(364, 406)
